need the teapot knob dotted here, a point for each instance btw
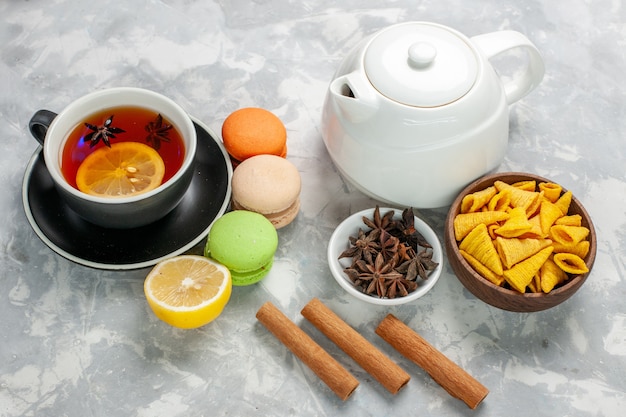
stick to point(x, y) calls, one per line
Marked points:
point(422, 54)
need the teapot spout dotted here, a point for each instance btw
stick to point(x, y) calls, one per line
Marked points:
point(354, 97)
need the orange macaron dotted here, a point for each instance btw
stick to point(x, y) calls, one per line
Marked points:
point(254, 131)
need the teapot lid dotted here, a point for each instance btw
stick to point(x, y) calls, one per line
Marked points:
point(421, 64)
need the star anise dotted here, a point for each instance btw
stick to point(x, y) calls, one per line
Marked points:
point(374, 277)
point(406, 228)
point(400, 287)
point(106, 132)
point(388, 245)
point(365, 246)
point(405, 252)
point(386, 260)
point(377, 222)
point(157, 132)
point(419, 265)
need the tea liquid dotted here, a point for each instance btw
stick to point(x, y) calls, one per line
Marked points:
point(135, 122)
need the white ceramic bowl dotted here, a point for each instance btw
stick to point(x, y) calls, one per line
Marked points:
point(339, 242)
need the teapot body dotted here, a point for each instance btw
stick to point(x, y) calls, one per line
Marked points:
point(411, 156)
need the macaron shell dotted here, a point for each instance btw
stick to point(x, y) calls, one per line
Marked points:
point(241, 279)
point(279, 219)
point(243, 241)
point(235, 163)
point(266, 184)
point(254, 131)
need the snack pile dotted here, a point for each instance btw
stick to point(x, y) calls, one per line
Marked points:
point(520, 236)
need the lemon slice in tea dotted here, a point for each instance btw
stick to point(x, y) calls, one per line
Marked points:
point(188, 291)
point(123, 170)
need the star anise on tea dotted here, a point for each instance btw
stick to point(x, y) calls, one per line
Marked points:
point(157, 132)
point(106, 132)
point(387, 261)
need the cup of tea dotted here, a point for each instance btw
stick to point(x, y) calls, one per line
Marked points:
point(119, 157)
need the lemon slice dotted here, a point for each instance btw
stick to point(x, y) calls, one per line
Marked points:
point(123, 170)
point(188, 291)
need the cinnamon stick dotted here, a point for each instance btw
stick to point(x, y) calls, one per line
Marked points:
point(446, 373)
point(390, 375)
point(338, 379)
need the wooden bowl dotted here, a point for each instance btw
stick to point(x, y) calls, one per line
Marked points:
point(501, 297)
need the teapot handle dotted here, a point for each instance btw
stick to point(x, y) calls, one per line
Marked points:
point(523, 82)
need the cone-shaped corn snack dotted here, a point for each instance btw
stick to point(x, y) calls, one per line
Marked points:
point(571, 220)
point(522, 273)
point(535, 231)
point(551, 275)
point(548, 214)
point(475, 201)
point(534, 207)
point(564, 201)
point(482, 269)
point(532, 285)
point(570, 263)
point(516, 225)
point(581, 249)
point(478, 244)
point(551, 191)
point(500, 201)
point(466, 222)
point(514, 250)
point(492, 230)
point(528, 185)
point(537, 281)
point(520, 198)
point(568, 235)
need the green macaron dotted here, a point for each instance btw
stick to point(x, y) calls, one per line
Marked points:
point(245, 242)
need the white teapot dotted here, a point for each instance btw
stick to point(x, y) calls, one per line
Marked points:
point(416, 111)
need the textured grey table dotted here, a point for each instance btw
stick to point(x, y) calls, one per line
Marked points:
point(79, 341)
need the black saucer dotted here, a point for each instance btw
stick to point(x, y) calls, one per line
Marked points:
point(85, 243)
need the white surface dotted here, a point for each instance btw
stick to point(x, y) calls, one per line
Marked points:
point(77, 341)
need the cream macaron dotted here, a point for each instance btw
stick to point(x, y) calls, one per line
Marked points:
point(269, 185)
